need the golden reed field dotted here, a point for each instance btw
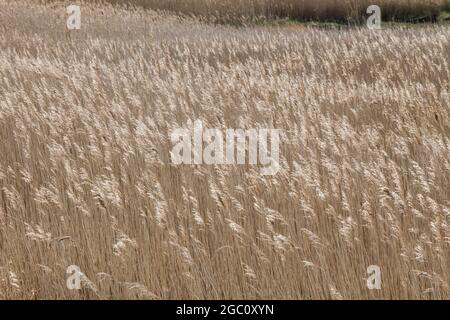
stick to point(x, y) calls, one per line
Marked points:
point(86, 177)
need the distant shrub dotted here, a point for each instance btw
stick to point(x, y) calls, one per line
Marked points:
point(328, 10)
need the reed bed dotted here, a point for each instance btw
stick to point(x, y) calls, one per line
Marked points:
point(86, 179)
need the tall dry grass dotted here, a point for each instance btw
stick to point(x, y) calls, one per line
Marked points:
point(85, 175)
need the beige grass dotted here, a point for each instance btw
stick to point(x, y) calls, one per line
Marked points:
point(85, 175)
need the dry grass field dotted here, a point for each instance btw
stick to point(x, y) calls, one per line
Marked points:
point(86, 177)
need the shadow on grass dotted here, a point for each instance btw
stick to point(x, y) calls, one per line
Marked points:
point(412, 21)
